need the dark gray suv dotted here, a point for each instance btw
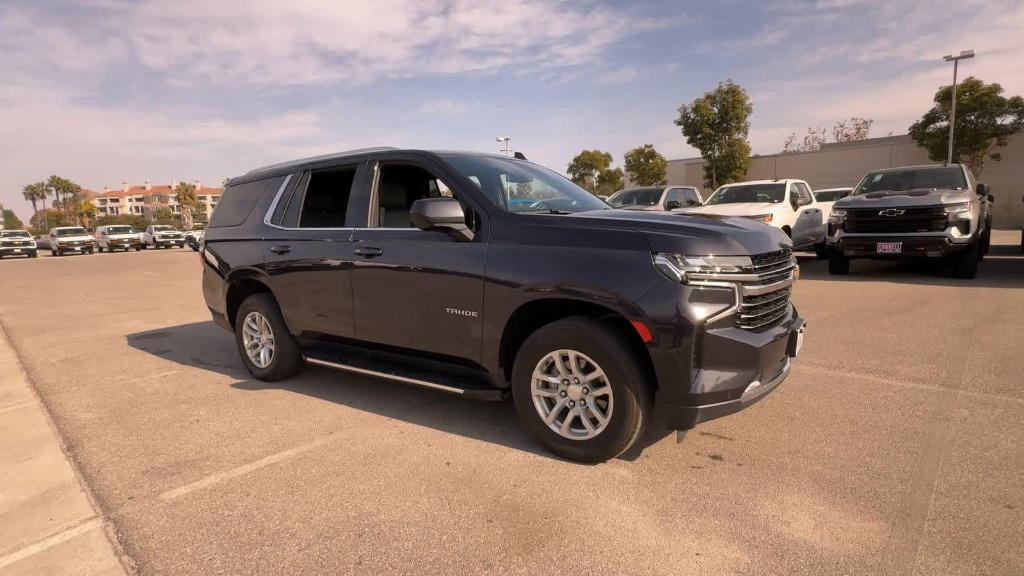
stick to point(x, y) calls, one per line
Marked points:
point(493, 277)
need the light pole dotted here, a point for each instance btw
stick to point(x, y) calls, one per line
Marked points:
point(504, 139)
point(964, 55)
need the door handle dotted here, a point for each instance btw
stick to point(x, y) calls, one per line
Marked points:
point(369, 252)
point(280, 249)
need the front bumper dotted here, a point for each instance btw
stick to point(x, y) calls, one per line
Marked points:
point(739, 369)
point(17, 250)
point(169, 241)
point(866, 246)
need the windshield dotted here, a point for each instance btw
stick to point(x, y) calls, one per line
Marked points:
point(14, 234)
point(518, 186)
point(773, 193)
point(120, 230)
point(163, 229)
point(945, 177)
point(72, 232)
point(636, 197)
point(832, 195)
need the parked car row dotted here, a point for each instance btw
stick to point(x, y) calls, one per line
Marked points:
point(931, 211)
point(63, 240)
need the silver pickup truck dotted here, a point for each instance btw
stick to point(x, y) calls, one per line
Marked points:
point(934, 211)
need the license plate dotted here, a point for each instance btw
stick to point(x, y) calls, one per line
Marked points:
point(75, 248)
point(889, 247)
point(16, 250)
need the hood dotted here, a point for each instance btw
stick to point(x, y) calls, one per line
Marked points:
point(904, 198)
point(123, 235)
point(73, 238)
point(735, 209)
point(684, 233)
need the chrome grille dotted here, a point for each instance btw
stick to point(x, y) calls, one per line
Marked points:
point(763, 289)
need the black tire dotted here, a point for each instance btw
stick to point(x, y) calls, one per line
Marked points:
point(838, 264)
point(33, 254)
point(53, 252)
point(821, 251)
point(287, 360)
point(965, 264)
point(137, 248)
point(632, 401)
point(986, 238)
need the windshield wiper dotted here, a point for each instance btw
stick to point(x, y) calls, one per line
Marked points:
point(546, 211)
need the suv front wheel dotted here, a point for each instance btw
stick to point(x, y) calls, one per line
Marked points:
point(265, 345)
point(580, 390)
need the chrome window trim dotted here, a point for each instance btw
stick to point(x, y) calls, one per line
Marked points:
point(277, 199)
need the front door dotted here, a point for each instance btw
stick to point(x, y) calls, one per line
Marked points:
point(416, 289)
point(808, 228)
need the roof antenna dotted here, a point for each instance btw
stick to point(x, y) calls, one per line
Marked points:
point(519, 156)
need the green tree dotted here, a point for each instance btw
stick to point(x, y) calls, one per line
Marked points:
point(985, 119)
point(66, 193)
point(11, 220)
point(592, 171)
point(188, 201)
point(42, 221)
point(609, 182)
point(717, 125)
point(85, 211)
point(163, 215)
point(645, 166)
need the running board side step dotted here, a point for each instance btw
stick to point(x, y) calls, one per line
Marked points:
point(470, 390)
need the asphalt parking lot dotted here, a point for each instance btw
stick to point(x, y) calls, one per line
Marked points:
point(896, 445)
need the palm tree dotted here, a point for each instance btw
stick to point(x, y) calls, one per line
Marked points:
point(34, 193)
point(188, 201)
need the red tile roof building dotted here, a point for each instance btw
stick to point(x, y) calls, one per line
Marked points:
point(147, 198)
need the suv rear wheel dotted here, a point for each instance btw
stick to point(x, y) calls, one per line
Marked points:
point(265, 345)
point(579, 390)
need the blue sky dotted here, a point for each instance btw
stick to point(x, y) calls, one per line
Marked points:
point(106, 91)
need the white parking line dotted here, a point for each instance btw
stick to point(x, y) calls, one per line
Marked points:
point(51, 541)
point(241, 470)
point(16, 405)
point(151, 376)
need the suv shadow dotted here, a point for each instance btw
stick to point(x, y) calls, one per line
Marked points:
point(206, 346)
point(1003, 267)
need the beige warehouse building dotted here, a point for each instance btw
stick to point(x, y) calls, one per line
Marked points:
point(843, 164)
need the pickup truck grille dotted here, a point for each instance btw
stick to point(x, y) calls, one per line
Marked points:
point(896, 220)
point(13, 243)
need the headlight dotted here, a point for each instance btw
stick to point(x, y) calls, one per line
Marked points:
point(676, 266)
point(837, 216)
point(958, 208)
point(766, 218)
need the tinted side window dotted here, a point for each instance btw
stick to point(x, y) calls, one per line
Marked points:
point(326, 199)
point(673, 196)
point(238, 201)
point(400, 185)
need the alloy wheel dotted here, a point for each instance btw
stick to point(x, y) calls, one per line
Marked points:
point(258, 339)
point(572, 394)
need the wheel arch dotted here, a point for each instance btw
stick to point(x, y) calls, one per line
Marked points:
point(531, 316)
point(240, 286)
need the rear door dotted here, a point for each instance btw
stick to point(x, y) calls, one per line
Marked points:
point(808, 228)
point(308, 250)
point(416, 289)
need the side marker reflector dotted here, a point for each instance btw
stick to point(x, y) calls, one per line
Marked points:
point(642, 330)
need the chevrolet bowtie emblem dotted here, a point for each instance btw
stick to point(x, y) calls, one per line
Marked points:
point(891, 212)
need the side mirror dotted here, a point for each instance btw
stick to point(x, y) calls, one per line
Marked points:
point(440, 214)
point(673, 204)
point(982, 189)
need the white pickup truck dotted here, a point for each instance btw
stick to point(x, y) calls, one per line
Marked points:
point(786, 204)
point(162, 236)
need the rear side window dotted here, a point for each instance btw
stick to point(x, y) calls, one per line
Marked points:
point(238, 201)
point(326, 200)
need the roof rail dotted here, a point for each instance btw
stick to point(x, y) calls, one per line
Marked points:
point(331, 156)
